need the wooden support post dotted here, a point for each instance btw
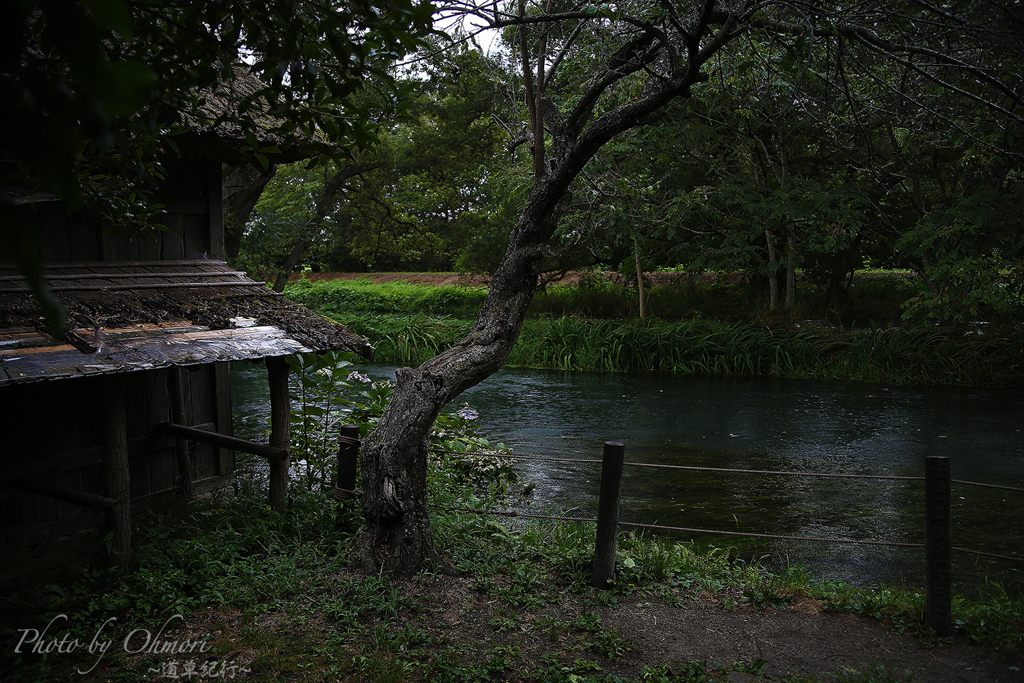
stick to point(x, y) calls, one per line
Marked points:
point(280, 429)
point(176, 392)
point(938, 547)
point(348, 460)
point(114, 434)
point(608, 514)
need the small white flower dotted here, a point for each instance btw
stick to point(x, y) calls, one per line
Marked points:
point(468, 413)
point(356, 376)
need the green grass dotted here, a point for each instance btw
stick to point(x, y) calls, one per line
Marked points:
point(874, 299)
point(906, 355)
point(331, 623)
point(694, 328)
point(343, 296)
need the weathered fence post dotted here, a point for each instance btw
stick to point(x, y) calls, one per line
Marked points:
point(114, 436)
point(348, 459)
point(608, 514)
point(280, 429)
point(176, 391)
point(938, 546)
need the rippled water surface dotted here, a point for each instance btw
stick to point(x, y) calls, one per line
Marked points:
point(762, 424)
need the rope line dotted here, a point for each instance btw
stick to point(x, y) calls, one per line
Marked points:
point(783, 538)
point(513, 513)
point(511, 456)
point(987, 486)
point(346, 494)
point(984, 554)
point(660, 527)
point(789, 474)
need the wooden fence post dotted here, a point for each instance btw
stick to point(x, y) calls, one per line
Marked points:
point(176, 392)
point(608, 514)
point(938, 547)
point(114, 435)
point(280, 429)
point(348, 460)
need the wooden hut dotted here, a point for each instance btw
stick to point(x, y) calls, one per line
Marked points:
point(134, 403)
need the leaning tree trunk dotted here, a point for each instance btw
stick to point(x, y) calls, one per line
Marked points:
point(397, 534)
point(242, 187)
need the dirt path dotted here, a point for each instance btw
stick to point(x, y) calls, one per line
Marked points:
point(800, 641)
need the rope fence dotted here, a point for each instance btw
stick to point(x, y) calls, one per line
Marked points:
point(691, 530)
point(827, 475)
point(938, 545)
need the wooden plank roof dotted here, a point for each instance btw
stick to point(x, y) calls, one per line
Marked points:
point(132, 316)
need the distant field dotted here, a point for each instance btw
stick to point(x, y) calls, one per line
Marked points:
point(433, 279)
point(467, 280)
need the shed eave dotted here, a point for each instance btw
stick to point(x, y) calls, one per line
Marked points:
point(130, 350)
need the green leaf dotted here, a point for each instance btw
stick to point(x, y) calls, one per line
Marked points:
point(113, 14)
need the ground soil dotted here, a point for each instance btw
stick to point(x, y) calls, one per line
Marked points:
point(799, 640)
point(796, 642)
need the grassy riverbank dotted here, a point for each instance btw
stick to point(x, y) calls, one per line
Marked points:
point(892, 355)
point(410, 323)
point(276, 597)
point(874, 299)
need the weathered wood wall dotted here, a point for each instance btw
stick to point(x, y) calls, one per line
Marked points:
point(53, 436)
point(193, 218)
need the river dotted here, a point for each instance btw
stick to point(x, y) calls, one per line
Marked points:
point(761, 424)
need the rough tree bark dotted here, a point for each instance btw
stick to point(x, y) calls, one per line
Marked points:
point(773, 271)
point(393, 459)
point(242, 187)
point(790, 266)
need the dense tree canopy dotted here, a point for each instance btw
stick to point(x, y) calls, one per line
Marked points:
point(820, 142)
point(426, 194)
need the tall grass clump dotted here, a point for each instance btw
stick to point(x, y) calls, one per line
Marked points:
point(893, 355)
point(406, 339)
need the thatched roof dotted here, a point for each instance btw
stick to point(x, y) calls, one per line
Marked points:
point(214, 131)
point(136, 316)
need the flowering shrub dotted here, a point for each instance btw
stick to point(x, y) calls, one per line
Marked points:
point(327, 393)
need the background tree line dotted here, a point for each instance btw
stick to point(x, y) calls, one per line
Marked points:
point(794, 159)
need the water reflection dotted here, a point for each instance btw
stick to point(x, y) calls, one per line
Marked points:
point(766, 424)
